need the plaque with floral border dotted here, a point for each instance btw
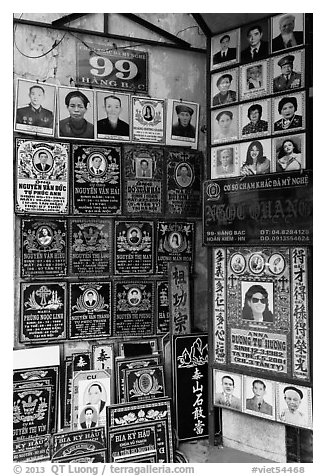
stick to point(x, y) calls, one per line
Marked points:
point(133, 440)
point(148, 120)
point(145, 383)
point(76, 443)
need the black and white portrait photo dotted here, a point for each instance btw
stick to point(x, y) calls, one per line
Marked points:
point(289, 153)
point(225, 124)
point(254, 80)
point(35, 107)
point(276, 263)
point(257, 299)
point(259, 397)
point(113, 116)
point(255, 119)
point(144, 167)
point(289, 113)
point(225, 161)
point(76, 113)
point(225, 49)
point(182, 123)
point(97, 164)
point(256, 157)
point(288, 72)
point(224, 87)
point(294, 405)
point(228, 390)
point(287, 31)
point(254, 41)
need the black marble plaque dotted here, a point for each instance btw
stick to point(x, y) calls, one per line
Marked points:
point(81, 361)
point(89, 457)
point(143, 384)
point(132, 440)
point(143, 174)
point(67, 386)
point(134, 247)
point(163, 308)
point(133, 308)
point(32, 449)
point(175, 242)
point(44, 247)
point(97, 180)
point(90, 310)
point(75, 443)
point(90, 247)
point(43, 314)
point(183, 184)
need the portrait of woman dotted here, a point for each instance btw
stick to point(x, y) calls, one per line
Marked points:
point(287, 108)
point(256, 305)
point(289, 157)
point(256, 162)
point(147, 114)
point(224, 126)
point(254, 77)
point(44, 236)
point(256, 124)
point(76, 125)
point(225, 95)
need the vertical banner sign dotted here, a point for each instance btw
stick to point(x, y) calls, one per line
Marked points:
point(148, 116)
point(41, 177)
point(100, 67)
point(179, 292)
point(190, 369)
point(219, 305)
point(300, 321)
point(163, 308)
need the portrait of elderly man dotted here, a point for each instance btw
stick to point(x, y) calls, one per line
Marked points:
point(184, 128)
point(256, 124)
point(288, 37)
point(288, 79)
point(112, 124)
point(226, 53)
point(225, 94)
point(292, 415)
point(226, 162)
point(226, 397)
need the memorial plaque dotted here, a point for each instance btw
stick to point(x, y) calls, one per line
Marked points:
point(175, 242)
point(133, 308)
point(31, 412)
point(32, 449)
point(41, 177)
point(122, 364)
point(148, 117)
point(89, 457)
point(43, 314)
point(151, 411)
point(294, 405)
point(81, 361)
point(261, 310)
point(183, 181)
point(132, 440)
point(134, 247)
point(190, 375)
point(67, 388)
point(90, 247)
point(163, 308)
point(103, 357)
point(274, 209)
point(90, 310)
point(138, 459)
point(145, 383)
point(97, 180)
point(259, 397)
point(137, 348)
point(143, 176)
point(179, 292)
point(44, 247)
point(78, 443)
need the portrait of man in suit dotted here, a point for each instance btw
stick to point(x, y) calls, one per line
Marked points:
point(90, 299)
point(43, 164)
point(89, 418)
point(288, 37)
point(144, 169)
point(257, 402)
point(96, 167)
point(257, 48)
point(226, 53)
point(226, 397)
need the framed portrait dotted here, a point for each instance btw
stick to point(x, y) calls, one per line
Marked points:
point(225, 49)
point(256, 157)
point(259, 397)
point(254, 80)
point(294, 405)
point(112, 116)
point(289, 113)
point(35, 107)
point(255, 119)
point(289, 152)
point(225, 125)
point(288, 71)
point(92, 393)
point(182, 123)
point(287, 31)
point(224, 87)
point(148, 120)
point(227, 390)
point(257, 297)
point(75, 113)
point(255, 41)
point(225, 161)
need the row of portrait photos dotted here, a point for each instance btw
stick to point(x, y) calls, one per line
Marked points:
point(284, 402)
point(258, 40)
point(285, 73)
point(89, 114)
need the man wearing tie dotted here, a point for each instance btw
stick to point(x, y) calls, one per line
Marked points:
point(89, 422)
point(95, 168)
point(257, 48)
point(226, 53)
point(226, 398)
point(42, 165)
point(257, 402)
point(288, 37)
point(144, 170)
point(288, 79)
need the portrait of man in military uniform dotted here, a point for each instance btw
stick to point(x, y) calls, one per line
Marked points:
point(288, 79)
point(31, 113)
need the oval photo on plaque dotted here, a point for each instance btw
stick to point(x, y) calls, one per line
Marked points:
point(145, 383)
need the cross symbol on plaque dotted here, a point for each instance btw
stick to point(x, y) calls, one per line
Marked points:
point(283, 281)
point(42, 293)
point(232, 279)
point(184, 156)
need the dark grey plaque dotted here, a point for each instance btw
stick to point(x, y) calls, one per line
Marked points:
point(163, 308)
point(175, 242)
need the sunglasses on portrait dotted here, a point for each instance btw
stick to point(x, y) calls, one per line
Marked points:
point(262, 300)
